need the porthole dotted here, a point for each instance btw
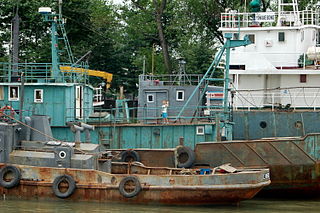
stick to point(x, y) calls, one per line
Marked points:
point(263, 124)
point(298, 124)
point(62, 154)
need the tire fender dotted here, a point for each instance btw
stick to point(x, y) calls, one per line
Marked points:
point(130, 155)
point(126, 180)
point(185, 157)
point(14, 181)
point(71, 186)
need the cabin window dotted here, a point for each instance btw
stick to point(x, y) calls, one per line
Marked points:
point(252, 38)
point(1, 93)
point(303, 78)
point(200, 130)
point(38, 96)
point(237, 67)
point(180, 95)
point(13, 93)
point(236, 36)
point(150, 98)
point(281, 36)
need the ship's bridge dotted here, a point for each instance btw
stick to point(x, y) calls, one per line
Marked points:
point(280, 40)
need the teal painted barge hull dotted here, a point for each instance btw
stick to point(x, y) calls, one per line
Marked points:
point(255, 124)
point(159, 136)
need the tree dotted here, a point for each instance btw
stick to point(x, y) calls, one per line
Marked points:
point(160, 6)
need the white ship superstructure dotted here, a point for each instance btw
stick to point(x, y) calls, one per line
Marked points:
point(280, 67)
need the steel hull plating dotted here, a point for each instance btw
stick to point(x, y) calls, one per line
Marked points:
point(293, 162)
point(93, 185)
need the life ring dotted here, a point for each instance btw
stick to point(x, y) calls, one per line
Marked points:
point(71, 186)
point(129, 186)
point(16, 176)
point(3, 114)
point(185, 157)
point(130, 156)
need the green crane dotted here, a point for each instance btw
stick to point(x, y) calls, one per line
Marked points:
point(208, 76)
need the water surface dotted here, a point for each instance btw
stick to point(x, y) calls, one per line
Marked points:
point(256, 205)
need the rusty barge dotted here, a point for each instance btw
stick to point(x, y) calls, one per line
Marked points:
point(82, 172)
point(293, 161)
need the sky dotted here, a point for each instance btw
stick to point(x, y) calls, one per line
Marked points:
point(117, 1)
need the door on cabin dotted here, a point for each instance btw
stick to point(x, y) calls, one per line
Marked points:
point(79, 102)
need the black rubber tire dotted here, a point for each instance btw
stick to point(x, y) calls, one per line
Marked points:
point(16, 177)
point(71, 186)
point(133, 193)
point(130, 155)
point(184, 150)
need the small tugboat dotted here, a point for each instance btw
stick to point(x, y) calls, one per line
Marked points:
point(81, 172)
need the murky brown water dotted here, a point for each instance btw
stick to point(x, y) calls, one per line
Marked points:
point(255, 205)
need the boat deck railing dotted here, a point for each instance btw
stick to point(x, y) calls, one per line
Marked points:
point(234, 19)
point(152, 115)
point(290, 98)
point(283, 60)
point(176, 79)
point(40, 73)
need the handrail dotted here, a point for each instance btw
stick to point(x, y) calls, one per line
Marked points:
point(233, 19)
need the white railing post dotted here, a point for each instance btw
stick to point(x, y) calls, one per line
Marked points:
point(294, 99)
point(272, 104)
point(314, 101)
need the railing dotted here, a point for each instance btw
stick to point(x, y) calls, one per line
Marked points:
point(284, 60)
point(152, 115)
point(267, 19)
point(38, 73)
point(189, 79)
point(288, 98)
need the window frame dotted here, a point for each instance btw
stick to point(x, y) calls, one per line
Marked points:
point(254, 38)
point(280, 38)
point(10, 98)
point(198, 132)
point(150, 95)
point(303, 78)
point(177, 95)
point(35, 100)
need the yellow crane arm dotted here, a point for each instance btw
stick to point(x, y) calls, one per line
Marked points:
point(105, 75)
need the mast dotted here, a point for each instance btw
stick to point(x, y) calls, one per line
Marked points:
point(15, 45)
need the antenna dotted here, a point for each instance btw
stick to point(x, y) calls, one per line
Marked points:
point(15, 42)
point(60, 8)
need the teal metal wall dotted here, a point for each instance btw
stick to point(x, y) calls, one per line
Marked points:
point(144, 136)
point(58, 101)
point(248, 124)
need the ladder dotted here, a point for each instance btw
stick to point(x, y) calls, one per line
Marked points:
point(283, 9)
point(65, 39)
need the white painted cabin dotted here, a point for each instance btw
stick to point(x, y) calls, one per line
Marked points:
point(268, 72)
